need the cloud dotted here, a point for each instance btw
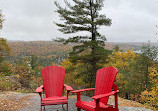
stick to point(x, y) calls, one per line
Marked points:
point(28, 20)
point(132, 20)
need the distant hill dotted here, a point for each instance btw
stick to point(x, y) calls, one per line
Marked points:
point(128, 45)
point(46, 51)
point(38, 48)
point(51, 48)
point(50, 51)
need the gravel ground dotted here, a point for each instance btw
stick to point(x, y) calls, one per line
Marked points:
point(34, 104)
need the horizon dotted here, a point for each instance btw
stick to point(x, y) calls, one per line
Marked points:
point(61, 42)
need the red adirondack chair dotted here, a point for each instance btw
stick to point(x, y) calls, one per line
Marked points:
point(103, 89)
point(53, 84)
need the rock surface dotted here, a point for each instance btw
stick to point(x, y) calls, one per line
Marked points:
point(35, 105)
point(31, 102)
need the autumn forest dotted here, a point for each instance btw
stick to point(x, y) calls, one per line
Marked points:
point(137, 78)
point(81, 55)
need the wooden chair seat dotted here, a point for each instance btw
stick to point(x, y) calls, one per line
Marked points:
point(54, 100)
point(91, 105)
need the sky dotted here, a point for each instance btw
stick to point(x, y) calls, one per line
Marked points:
point(32, 20)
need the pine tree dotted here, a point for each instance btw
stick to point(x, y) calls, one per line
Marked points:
point(84, 16)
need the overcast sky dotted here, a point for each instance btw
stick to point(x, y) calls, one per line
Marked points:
point(30, 20)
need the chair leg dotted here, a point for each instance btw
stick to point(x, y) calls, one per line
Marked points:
point(78, 109)
point(44, 108)
point(41, 108)
point(67, 107)
point(62, 106)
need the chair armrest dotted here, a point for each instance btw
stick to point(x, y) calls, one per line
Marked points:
point(39, 89)
point(81, 90)
point(105, 95)
point(68, 88)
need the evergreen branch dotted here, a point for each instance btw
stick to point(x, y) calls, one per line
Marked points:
point(102, 20)
point(79, 9)
point(66, 29)
point(77, 39)
point(59, 40)
point(75, 20)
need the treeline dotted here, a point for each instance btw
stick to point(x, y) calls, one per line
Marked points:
point(50, 51)
point(38, 48)
point(46, 51)
point(48, 48)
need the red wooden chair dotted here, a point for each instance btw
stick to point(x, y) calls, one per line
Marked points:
point(53, 84)
point(103, 89)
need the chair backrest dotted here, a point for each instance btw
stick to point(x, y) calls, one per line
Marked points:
point(104, 82)
point(53, 80)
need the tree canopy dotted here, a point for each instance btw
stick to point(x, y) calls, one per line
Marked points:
point(83, 16)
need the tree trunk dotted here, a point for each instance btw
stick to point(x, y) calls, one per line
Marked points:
point(146, 81)
point(94, 66)
point(126, 95)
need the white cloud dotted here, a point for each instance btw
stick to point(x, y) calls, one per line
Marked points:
point(132, 20)
point(131, 23)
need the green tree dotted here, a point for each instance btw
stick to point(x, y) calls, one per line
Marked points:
point(5, 68)
point(84, 16)
point(148, 57)
point(4, 49)
point(35, 65)
point(34, 62)
point(116, 48)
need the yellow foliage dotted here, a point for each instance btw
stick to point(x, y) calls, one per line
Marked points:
point(151, 96)
point(153, 78)
point(71, 71)
point(120, 80)
point(17, 76)
point(4, 47)
point(66, 64)
point(54, 64)
point(121, 59)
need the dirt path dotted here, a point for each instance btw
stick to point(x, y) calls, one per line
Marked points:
point(12, 101)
